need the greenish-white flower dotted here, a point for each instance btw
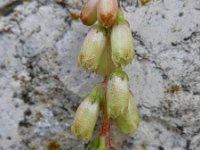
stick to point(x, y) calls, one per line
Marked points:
point(92, 49)
point(117, 93)
point(129, 121)
point(85, 118)
point(122, 44)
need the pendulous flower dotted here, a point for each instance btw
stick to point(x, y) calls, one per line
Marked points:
point(117, 93)
point(88, 14)
point(92, 49)
point(122, 44)
point(85, 118)
point(129, 121)
point(107, 12)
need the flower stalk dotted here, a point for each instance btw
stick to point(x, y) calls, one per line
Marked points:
point(107, 47)
point(104, 130)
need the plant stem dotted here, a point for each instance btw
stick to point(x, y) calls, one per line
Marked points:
point(105, 121)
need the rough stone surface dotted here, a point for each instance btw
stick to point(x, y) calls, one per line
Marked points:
point(41, 84)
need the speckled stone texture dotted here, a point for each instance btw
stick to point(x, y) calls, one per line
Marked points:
point(41, 84)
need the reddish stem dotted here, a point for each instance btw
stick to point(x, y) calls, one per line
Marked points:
point(105, 122)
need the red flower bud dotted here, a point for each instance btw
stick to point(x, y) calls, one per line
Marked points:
point(107, 12)
point(89, 12)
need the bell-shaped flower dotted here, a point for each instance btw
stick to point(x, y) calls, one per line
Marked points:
point(117, 93)
point(107, 12)
point(122, 44)
point(92, 49)
point(85, 118)
point(129, 121)
point(89, 12)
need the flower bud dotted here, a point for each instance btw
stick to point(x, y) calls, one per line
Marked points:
point(129, 121)
point(107, 12)
point(89, 12)
point(122, 44)
point(117, 93)
point(85, 118)
point(92, 49)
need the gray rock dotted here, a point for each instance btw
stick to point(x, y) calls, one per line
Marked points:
point(41, 84)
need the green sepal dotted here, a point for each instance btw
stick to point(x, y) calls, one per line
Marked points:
point(120, 18)
point(99, 28)
point(120, 73)
point(97, 93)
